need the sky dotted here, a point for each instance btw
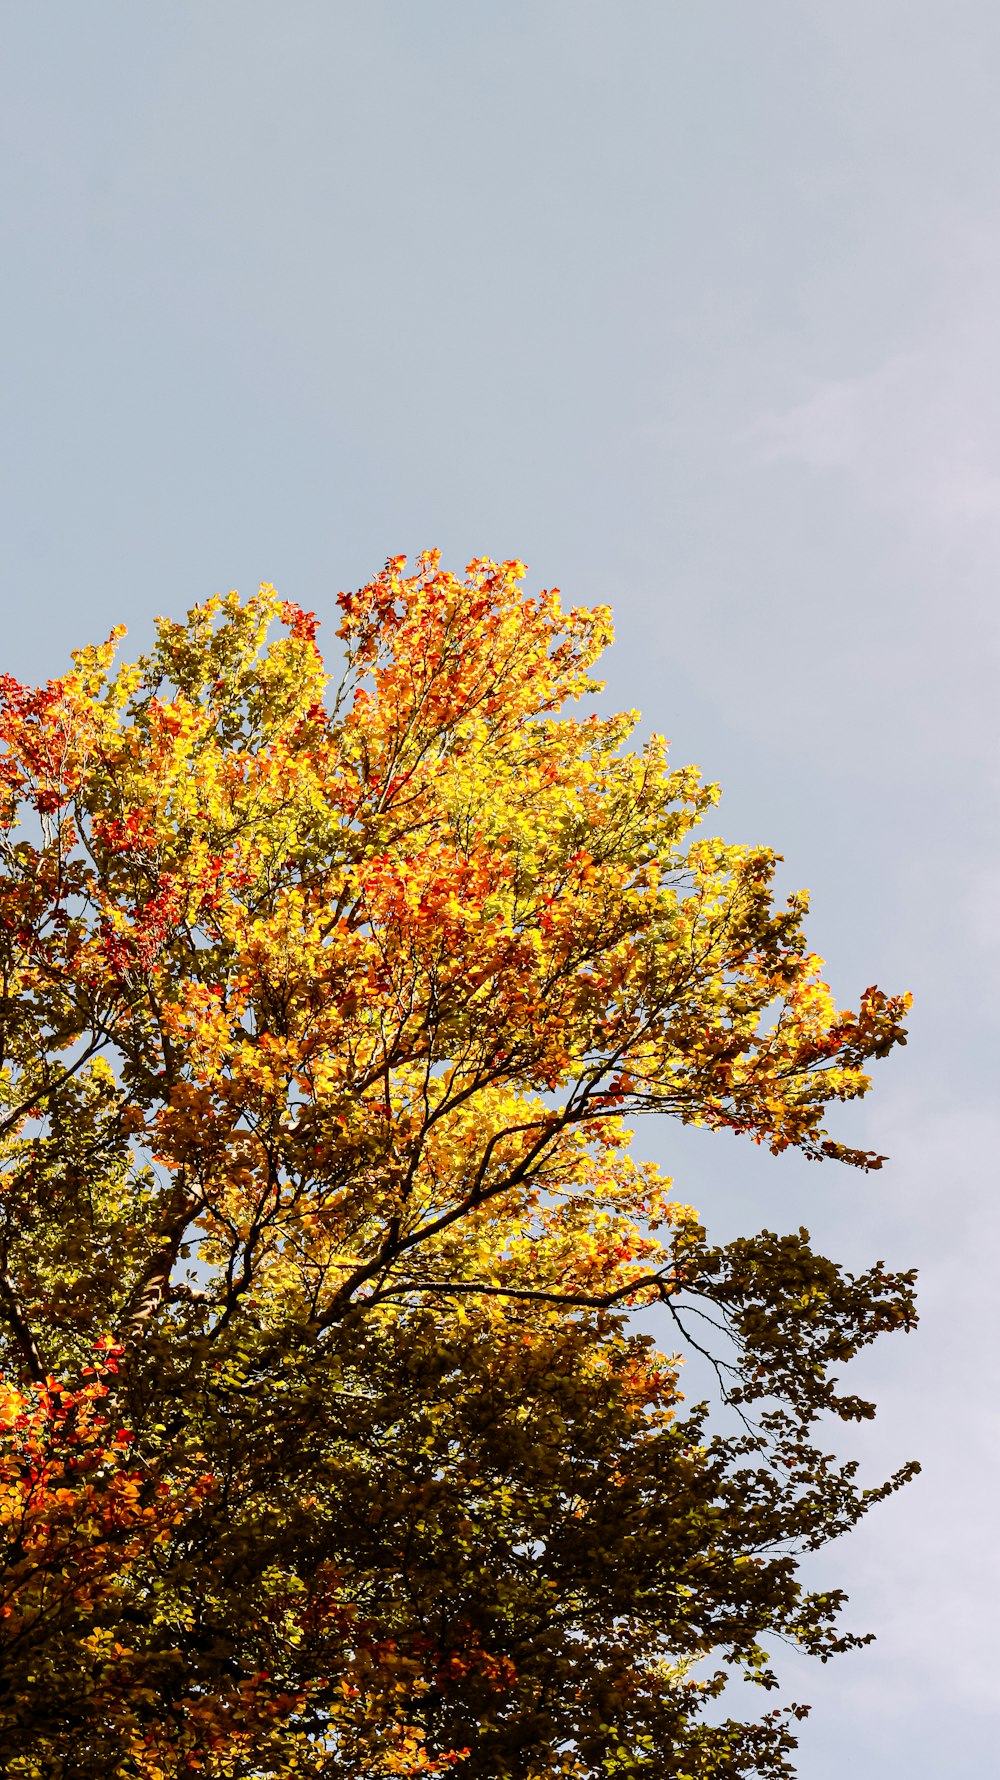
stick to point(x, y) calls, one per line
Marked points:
point(693, 307)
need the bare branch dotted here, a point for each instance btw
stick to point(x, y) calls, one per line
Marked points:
point(475, 1288)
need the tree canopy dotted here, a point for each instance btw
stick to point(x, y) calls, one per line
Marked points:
point(329, 1446)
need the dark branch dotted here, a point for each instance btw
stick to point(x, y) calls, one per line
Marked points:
point(21, 1330)
point(466, 1287)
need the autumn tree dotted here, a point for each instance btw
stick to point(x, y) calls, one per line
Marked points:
point(328, 1445)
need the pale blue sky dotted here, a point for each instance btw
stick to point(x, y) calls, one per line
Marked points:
point(693, 305)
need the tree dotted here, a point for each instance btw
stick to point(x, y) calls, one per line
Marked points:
point(329, 1446)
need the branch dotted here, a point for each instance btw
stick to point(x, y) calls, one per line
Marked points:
point(602, 1301)
point(392, 1249)
point(11, 1122)
point(22, 1332)
point(149, 1292)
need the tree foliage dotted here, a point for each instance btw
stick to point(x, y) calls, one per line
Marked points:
point(329, 1447)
